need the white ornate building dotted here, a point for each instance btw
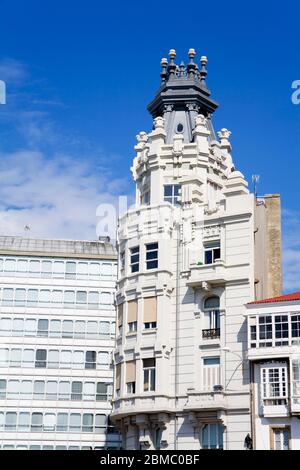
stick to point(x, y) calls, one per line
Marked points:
point(274, 355)
point(187, 267)
point(57, 333)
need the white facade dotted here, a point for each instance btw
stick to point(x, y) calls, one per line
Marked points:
point(186, 271)
point(274, 355)
point(57, 332)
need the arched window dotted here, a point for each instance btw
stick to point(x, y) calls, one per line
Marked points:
point(212, 302)
point(211, 318)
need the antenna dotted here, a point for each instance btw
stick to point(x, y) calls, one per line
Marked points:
point(255, 181)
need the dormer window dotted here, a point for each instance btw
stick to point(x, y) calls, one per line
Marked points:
point(172, 193)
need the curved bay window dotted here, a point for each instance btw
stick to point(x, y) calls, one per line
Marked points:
point(211, 309)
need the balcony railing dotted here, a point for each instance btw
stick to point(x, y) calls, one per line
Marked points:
point(212, 333)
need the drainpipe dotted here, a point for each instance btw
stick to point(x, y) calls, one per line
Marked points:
point(176, 327)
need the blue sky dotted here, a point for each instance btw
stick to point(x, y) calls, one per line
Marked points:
point(79, 76)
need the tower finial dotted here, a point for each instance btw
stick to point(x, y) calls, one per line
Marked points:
point(191, 68)
point(203, 71)
point(163, 63)
point(172, 66)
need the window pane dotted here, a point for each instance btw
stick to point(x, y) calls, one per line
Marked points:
point(69, 297)
point(32, 296)
point(100, 423)
point(24, 421)
point(79, 329)
point(64, 390)
point(53, 358)
point(70, 267)
point(87, 422)
point(62, 422)
point(67, 329)
point(34, 266)
point(28, 358)
point(44, 296)
point(5, 326)
point(92, 327)
point(22, 265)
point(57, 296)
point(18, 327)
point(51, 390)
point(78, 359)
point(39, 389)
point(55, 328)
point(104, 328)
point(105, 298)
point(20, 296)
point(82, 269)
point(9, 265)
point(2, 388)
point(49, 422)
point(94, 298)
point(42, 328)
point(106, 269)
point(89, 391)
point(30, 327)
point(58, 267)
point(75, 422)
point(81, 297)
point(46, 267)
point(10, 421)
point(211, 361)
point(26, 389)
point(40, 358)
point(95, 269)
point(66, 358)
point(36, 422)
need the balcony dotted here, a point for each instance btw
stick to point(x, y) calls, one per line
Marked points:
point(212, 333)
point(135, 404)
point(204, 400)
point(216, 274)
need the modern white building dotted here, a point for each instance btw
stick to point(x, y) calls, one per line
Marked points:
point(57, 332)
point(193, 251)
point(274, 355)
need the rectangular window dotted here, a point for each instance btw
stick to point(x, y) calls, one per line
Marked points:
point(281, 330)
point(7, 296)
point(26, 389)
point(100, 424)
point(18, 327)
point(64, 390)
point(134, 259)
point(20, 297)
point(87, 422)
point(70, 270)
point(150, 325)
point(280, 438)
point(152, 256)
point(24, 422)
point(53, 359)
point(40, 358)
point(51, 390)
point(172, 194)
point(130, 388)
point(210, 373)
point(43, 326)
point(89, 390)
point(132, 327)
point(212, 252)
point(39, 390)
point(76, 391)
point(49, 422)
point(55, 328)
point(10, 421)
point(75, 422)
point(149, 374)
point(67, 329)
point(265, 330)
point(101, 391)
point(94, 270)
point(90, 359)
point(28, 358)
point(274, 384)
point(32, 297)
point(62, 422)
point(212, 436)
point(2, 388)
point(37, 422)
point(295, 325)
point(16, 357)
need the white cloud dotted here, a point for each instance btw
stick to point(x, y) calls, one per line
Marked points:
point(291, 250)
point(56, 194)
point(55, 197)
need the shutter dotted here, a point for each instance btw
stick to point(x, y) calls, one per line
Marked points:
point(132, 311)
point(118, 376)
point(150, 308)
point(130, 371)
point(120, 315)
